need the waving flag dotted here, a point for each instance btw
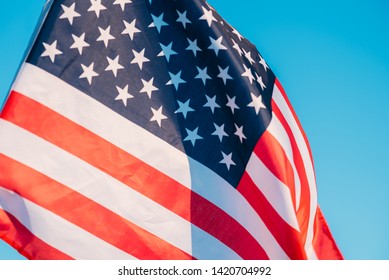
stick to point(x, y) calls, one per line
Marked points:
point(153, 130)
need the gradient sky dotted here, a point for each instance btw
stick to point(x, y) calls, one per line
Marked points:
point(332, 58)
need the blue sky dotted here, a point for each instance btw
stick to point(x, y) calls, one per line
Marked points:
point(332, 58)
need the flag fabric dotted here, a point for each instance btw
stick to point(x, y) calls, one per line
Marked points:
point(151, 129)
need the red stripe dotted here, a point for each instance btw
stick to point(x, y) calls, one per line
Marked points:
point(303, 212)
point(323, 242)
point(78, 209)
point(218, 224)
point(287, 237)
point(91, 148)
point(271, 153)
point(279, 86)
point(26, 243)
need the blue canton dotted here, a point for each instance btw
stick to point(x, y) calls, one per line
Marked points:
point(176, 68)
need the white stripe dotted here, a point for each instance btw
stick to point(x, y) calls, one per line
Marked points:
point(276, 192)
point(89, 181)
point(284, 108)
point(58, 232)
point(276, 129)
point(203, 247)
point(71, 103)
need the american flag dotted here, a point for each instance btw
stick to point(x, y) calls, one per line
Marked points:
point(151, 129)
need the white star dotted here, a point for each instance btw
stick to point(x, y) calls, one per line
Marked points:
point(166, 51)
point(158, 22)
point(224, 74)
point(208, 16)
point(122, 3)
point(203, 75)
point(227, 160)
point(88, 72)
point(211, 103)
point(193, 47)
point(216, 45)
point(184, 108)
point(247, 73)
point(114, 65)
point(51, 51)
point(130, 28)
point(148, 87)
point(105, 36)
point(79, 43)
point(263, 63)
point(240, 37)
point(256, 103)
point(236, 47)
point(219, 131)
point(69, 13)
point(175, 80)
point(239, 133)
point(158, 116)
point(96, 7)
point(231, 103)
point(248, 56)
point(139, 58)
point(192, 136)
point(123, 94)
point(183, 19)
point(260, 81)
